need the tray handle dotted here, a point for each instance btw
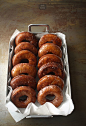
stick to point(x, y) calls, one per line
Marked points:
point(44, 25)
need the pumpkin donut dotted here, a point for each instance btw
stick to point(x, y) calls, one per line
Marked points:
point(23, 80)
point(24, 55)
point(23, 68)
point(49, 58)
point(50, 48)
point(50, 38)
point(26, 36)
point(22, 96)
point(50, 69)
point(50, 90)
point(26, 46)
point(50, 80)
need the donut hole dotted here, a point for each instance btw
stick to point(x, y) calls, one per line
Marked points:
point(50, 97)
point(49, 42)
point(25, 40)
point(51, 73)
point(24, 61)
point(24, 73)
point(49, 53)
point(23, 98)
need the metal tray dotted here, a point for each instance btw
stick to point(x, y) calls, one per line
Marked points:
point(65, 63)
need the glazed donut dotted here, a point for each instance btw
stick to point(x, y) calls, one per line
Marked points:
point(26, 36)
point(22, 96)
point(50, 68)
point(24, 55)
point(23, 80)
point(50, 80)
point(26, 46)
point(23, 68)
point(49, 58)
point(50, 90)
point(50, 38)
point(50, 48)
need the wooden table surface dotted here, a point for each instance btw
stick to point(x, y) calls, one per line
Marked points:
point(65, 17)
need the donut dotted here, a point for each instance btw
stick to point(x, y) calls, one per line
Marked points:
point(49, 58)
point(50, 69)
point(26, 46)
point(23, 68)
point(50, 90)
point(50, 48)
point(24, 56)
point(23, 80)
point(50, 38)
point(22, 96)
point(50, 80)
point(26, 36)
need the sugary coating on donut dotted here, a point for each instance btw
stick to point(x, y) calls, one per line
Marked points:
point(24, 54)
point(50, 48)
point(21, 91)
point(26, 36)
point(50, 68)
point(49, 58)
point(50, 38)
point(26, 46)
point(50, 90)
point(23, 68)
point(23, 80)
point(50, 80)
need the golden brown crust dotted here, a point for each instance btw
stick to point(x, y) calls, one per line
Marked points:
point(23, 91)
point(49, 58)
point(50, 38)
point(26, 36)
point(50, 90)
point(25, 46)
point(23, 80)
point(23, 68)
point(50, 48)
point(24, 54)
point(50, 68)
point(50, 80)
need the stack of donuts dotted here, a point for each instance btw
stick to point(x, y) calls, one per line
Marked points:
point(24, 71)
point(50, 71)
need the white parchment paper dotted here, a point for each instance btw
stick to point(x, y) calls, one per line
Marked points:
point(37, 110)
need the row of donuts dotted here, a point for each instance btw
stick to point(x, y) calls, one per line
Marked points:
point(24, 71)
point(50, 62)
point(50, 71)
